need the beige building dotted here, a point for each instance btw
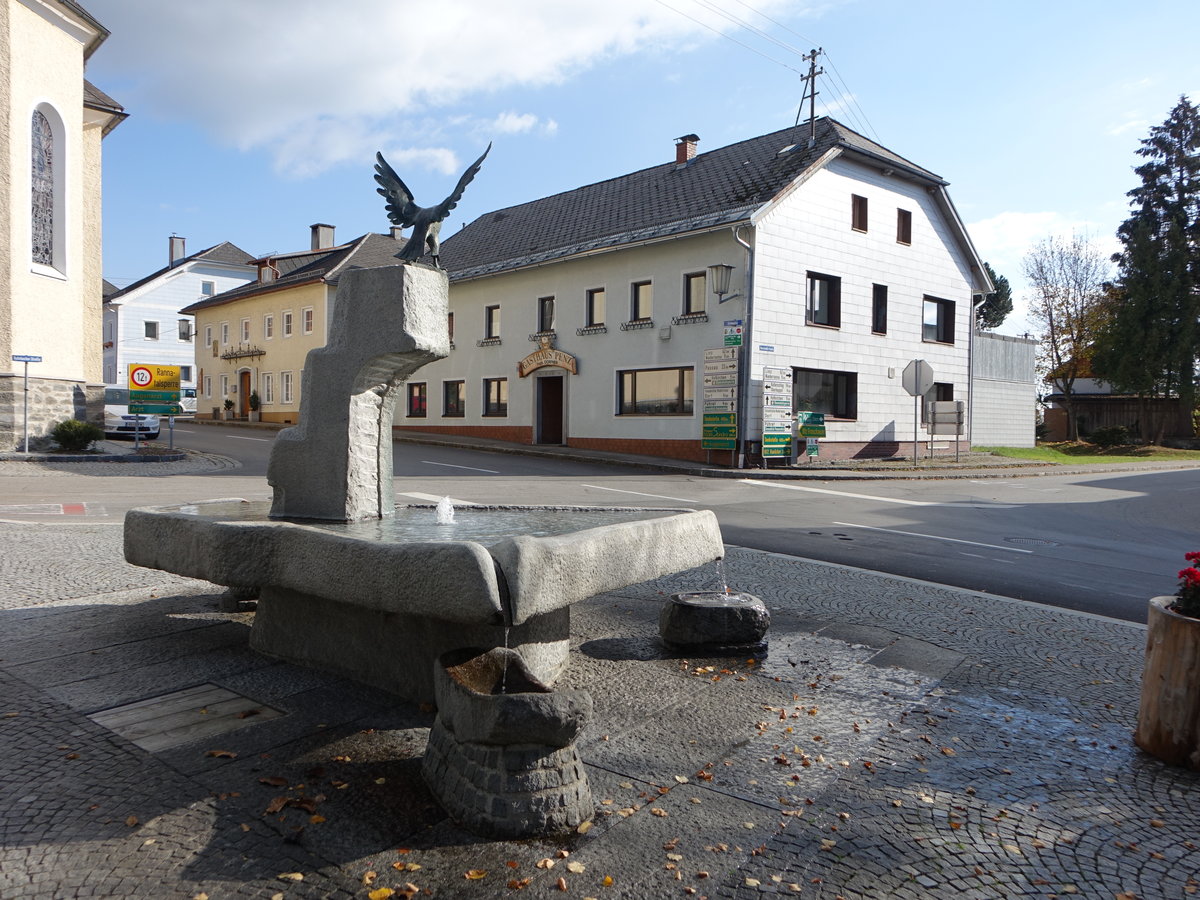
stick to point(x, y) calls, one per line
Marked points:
point(51, 125)
point(254, 339)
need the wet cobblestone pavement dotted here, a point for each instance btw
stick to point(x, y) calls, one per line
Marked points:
point(899, 739)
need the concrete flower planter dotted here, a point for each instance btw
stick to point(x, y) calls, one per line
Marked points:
point(1169, 712)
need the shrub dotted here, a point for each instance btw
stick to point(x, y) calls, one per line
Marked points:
point(1112, 436)
point(255, 401)
point(72, 434)
point(228, 404)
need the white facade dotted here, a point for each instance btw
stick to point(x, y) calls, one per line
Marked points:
point(807, 228)
point(142, 324)
point(1005, 395)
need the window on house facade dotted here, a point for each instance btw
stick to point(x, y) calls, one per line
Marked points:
point(824, 300)
point(245, 339)
point(641, 301)
point(45, 189)
point(819, 390)
point(879, 297)
point(208, 288)
point(224, 385)
point(545, 314)
point(417, 400)
point(858, 212)
point(937, 322)
point(454, 399)
point(495, 396)
point(286, 323)
point(450, 327)
point(594, 314)
point(656, 392)
point(941, 391)
point(695, 287)
point(491, 322)
point(268, 327)
point(268, 387)
point(151, 330)
point(207, 385)
point(903, 226)
point(306, 320)
point(185, 373)
point(185, 329)
point(208, 332)
point(224, 334)
point(286, 392)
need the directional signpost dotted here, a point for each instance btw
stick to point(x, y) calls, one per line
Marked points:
point(810, 426)
point(27, 359)
point(154, 390)
point(917, 380)
point(777, 411)
point(719, 430)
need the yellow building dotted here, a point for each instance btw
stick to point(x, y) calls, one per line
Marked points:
point(253, 340)
point(51, 125)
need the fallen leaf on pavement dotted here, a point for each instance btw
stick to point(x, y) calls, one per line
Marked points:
point(475, 874)
point(290, 876)
point(221, 754)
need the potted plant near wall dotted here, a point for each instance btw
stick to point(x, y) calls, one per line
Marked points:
point(1169, 712)
point(228, 410)
point(255, 405)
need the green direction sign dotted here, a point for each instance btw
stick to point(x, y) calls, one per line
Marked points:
point(776, 445)
point(720, 432)
point(720, 418)
point(154, 396)
point(811, 424)
point(716, 444)
point(812, 431)
point(155, 409)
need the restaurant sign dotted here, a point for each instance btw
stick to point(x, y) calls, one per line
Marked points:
point(545, 356)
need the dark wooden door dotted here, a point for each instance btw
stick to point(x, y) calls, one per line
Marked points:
point(550, 410)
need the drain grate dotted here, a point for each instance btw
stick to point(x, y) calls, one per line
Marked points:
point(170, 720)
point(1033, 542)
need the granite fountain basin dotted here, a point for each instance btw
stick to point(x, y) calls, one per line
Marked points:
point(379, 601)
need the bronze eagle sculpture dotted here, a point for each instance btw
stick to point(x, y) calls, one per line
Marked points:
point(426, 221)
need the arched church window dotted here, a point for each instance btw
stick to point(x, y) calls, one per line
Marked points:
point(43, 190)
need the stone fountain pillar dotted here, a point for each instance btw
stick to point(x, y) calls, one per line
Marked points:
point(337, 463)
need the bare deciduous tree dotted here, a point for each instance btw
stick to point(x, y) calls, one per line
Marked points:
point(1067, 279)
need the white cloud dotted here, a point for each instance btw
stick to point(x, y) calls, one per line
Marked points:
point(316, 85)
point(1135, 124)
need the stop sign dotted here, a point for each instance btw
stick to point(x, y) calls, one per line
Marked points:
point(918, 377)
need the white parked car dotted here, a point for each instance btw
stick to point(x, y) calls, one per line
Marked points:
point(118, 420)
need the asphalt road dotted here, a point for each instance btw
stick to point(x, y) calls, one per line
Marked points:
point(1100, 543)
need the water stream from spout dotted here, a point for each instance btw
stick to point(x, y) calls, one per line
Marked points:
point(721, 576)
point(445, 511)
point(504, 671)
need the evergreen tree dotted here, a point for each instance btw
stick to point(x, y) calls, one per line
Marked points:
point(997, 305)
point(1152, 339)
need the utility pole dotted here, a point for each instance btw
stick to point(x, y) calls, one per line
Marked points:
point(810, 94)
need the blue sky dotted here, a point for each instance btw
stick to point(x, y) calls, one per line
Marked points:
point(252, 119)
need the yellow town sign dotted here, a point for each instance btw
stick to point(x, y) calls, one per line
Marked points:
point(544, 356)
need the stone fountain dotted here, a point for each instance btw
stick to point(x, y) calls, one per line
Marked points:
point(383, 610)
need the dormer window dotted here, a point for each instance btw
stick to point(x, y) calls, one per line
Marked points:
point(267, 273)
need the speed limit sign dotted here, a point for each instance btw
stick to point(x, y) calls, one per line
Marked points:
point(140, 377)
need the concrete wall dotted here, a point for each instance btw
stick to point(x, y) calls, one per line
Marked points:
point(1005, 400)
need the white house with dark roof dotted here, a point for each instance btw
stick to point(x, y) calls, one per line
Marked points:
point(597, 318)
point(142, 322)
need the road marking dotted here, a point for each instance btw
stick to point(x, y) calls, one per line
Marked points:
point(796, 487)
point(52, 509)
point(640, 494)
point(452, 466)
point(238, 437)
point(932, 537)
point(434, 498)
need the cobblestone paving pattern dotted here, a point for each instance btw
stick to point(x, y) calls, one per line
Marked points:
point(899, 740)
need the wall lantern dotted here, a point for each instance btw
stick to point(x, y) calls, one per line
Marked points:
point(718, 277)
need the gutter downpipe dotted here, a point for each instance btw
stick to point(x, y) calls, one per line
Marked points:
point(743, 385)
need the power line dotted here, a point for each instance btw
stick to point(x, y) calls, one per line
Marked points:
point(726, 36)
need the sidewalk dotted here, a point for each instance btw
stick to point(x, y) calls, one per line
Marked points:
point(900, 739)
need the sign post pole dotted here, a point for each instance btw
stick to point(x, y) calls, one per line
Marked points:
point(917, 380)
point(27, 359)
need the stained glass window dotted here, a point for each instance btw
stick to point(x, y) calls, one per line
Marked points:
point(43, 190)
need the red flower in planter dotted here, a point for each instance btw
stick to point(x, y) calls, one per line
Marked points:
point(1188, 596)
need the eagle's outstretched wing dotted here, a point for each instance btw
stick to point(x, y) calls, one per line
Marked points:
point(401, 209)
point(443, 209)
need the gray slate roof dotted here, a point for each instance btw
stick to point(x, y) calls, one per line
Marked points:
point(365, 252)
point(723, 186)
point(224, 252)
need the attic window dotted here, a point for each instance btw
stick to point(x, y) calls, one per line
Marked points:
point(858, 213)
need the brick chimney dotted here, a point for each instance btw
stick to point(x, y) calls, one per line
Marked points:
point(175, 250)
point(685, 148)
point(322, 236)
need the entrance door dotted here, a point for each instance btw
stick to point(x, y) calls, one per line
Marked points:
point(243, 394)
point(550, 410)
